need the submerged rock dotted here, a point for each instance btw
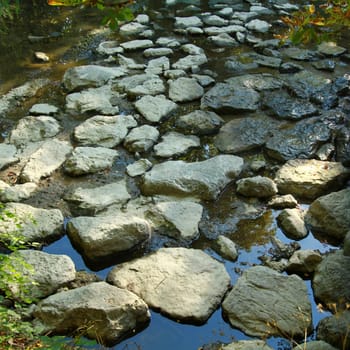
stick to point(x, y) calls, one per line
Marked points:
point(184, 284)
point(105, 313)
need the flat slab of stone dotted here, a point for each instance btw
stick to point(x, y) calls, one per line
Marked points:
point(104, 236)
point(43, 109)
point(89, 160)
point(184, 284)
point(190, 61)
point(88, 76)
point(204, 179)
point(106, 313)
point(92, 200)
point(16, 193)
point(155, 108)
point(45, 160)
point(247, 345)
point(141, 139)
point(310, 178)
point(137, 44)
point(185, 89)
point(7, 155)
point(105, 131)
point(37, 225)
point(259, 309)
point(331, 49)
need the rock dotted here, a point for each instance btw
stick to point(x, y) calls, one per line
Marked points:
point(168, 42)
point(266, 61)
point(97, 100)
point(43, 273)
point(185, 89)
point(104, 131)
point(335, 330)
point(331, 282)
point(226, 248)
point(158, 65)
point(257, 186)
point(91, 200)
point(302, 140)
point(43, 109)
point(34, 224)
point(214, 20)
point(129, 63)
point(329, 215)
point(185, 22)
point(291, 221)
point(223, 40)
point(141, 139)
point(45, 160)
point(246, 345)
point(16, 193)
point(327, 65)
point(190, 61)
point(175, 144)
point(105, 313)
point(176, 219)
point(41, 57)
point(32, 129)
point(158, 52)
point(108, 48)
point(310, 178)
point(283, 106)
point(106, 236)
point(346, 248)
point(299, 54)
point(258, 82)
point(259, 309)
point(290, 67)
point(132, 28)
point(142, 18)
point(227, 98)
point(90, 76)
point(89, 160)
point(172, 280)
point(315, 345)
point(137, 44)
point(304, 262)
point(7, 155)
point(244, 134)
point(258, 25)
point(330, 49)
point(342, 146)
point(139, 167)
point(155, 108)
point(282, 202)
point(204, 179)
point(200, 122)
point(231, 29)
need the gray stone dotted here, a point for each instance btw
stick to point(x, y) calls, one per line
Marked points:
point(7, 155)
point(89, 160)
point(257, 186)
point(32, 129)
point(282, 202)
point(104, 131)
point(291, 221)
point(204, 179)
point(16, 193)
point(155, 108)
point(190, 61)
point(185, 89)
point(329, 215)
point(137, 44)
point(139, 167)
point(185, 22)
point(105, 313)
point(92, 200)
point(200, 122)
point(129, 63)
point(342, 146)
point(258, 25)
point(43, 109)
point(259, 309)
point(244, 16)
point(110, 47)
point(192, 49)
point(266, 61)
point(308, 179)
point(37, 225)
point(230, 29)
point(105, 236)
point(158, 52)
point(331, 49)
point(214, 20)
point(261, 10)
point(258, 82)
point(203, 80)
point(246, 345)
point(172, 280)
point(223, 40)
point(346, 248)
point(132, 28)
point(304, 262)
point(158, 65)
point(299, 54)
point(175, 73)
point(141, 139)
point(175, 144)
point(168, 42)
point(90, 76)
point(226, 248)
point(315, 345)
point(43, 273)
point(327, 65)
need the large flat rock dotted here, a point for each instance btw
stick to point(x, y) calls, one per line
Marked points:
point(185, 284)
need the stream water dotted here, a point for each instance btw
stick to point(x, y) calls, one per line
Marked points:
point(68, 41)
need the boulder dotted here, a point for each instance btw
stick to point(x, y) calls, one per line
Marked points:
point(92, 200)
point(32, 129)
point(329, 216)
point(155, 108)
point(98, 310)
point(139, 167)
point(257, 186)
point(185, 89)
point(82, 77)
point(105, 236)
point(259, 309)
point(258, 25)
point(45, 160)
point(141, 84)
point(226, 248)
point(190, 61)
point(291, 221)
point(184, 284)
point(32, 224)
point(158, 65)
point(43, 273)
point(315, 345)
point(204, 179)
point(141, 139)
point(282, 202)
point(104, 131)
point(304, 262)
point(310, 178)
point(16, 193)
point(331, 281)
point(89, 160)
point(175, 144)
point(7, 155)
